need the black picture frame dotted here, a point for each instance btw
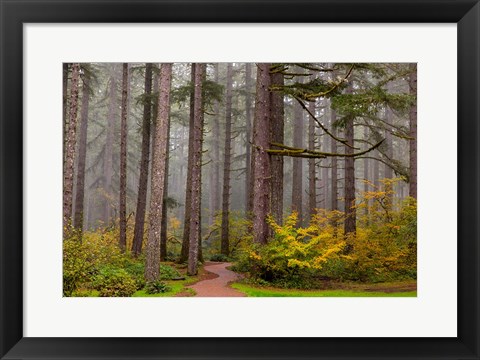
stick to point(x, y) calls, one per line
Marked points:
point(14, 13)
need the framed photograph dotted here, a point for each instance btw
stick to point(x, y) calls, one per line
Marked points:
point(234, 179)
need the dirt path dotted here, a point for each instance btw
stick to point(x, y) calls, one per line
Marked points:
point(217, 287)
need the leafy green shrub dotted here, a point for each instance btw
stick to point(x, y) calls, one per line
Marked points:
point(114, 282)
point(137, 270)
point(82, 259)
point(168, 272)
point(156, 287)
point(219, 258)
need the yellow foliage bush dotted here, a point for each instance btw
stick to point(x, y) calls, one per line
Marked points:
point(82, 258)
point(382, 249)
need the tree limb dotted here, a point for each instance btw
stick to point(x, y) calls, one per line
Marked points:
point(305, 153)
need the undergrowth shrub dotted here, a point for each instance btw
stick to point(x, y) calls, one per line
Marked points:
point(112, 282)
point(156, 287)
point(83, 258)
point(219, 258)
point(168, 272)
point(384, 247)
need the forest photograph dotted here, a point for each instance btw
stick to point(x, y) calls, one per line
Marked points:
point(239, 179)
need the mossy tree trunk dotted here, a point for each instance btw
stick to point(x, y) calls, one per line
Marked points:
point(82, 154)
point(297, 171)
point(227, 163)
point(277, 135)
point(312, 176)
point(159, 156)
point(350, 225)
point(412, 81)
point(108, 153)
point(164, 235)
point(123, 160)
point(262, 167)
point(215, 172)
point(144, 165)
point(196, 172)
point(188, 186)
point(248, 153)
point(71, 140)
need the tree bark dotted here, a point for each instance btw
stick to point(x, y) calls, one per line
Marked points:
point(123, 161)
point(82, 154)
point(188, 186)
point(65, 67)
point(215, 173)
point(163, 234)
point(152, 264)
point(70, 153)
point(196, 173)
point(277, 135)
point(248, 154)
point(350, 212)
point(297, 173)
point(413, 131)
point(262, 168)
point(144, 164)
point(366, 170)
point(312, 189)
point(226, 163)
point(108, 155)
point(388, 172)
point(325, 143)
point(334, 161)
point(376, 171)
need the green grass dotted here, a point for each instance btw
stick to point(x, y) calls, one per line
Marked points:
point(253, 291)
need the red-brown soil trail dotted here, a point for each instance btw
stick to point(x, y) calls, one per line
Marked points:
point(217, 287)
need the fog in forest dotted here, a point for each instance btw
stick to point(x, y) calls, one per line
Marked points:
point(334, 136)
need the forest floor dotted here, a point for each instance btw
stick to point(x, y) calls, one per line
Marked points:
point(219, 285)
point(216, 280)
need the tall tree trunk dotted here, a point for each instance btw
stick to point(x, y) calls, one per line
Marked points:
point(65, 67)
point(366, 170)
point(202, 115)
point(376, 171)
point(350, 212)
point(297, 173)
point(412, 81)
point(325, 144)
point(262, 168)
point(196, 173)
point(215, 173)
point(389, 154)
point(108, 154)
point(70, 153)
point(82, 154)
point(226, 163)
point(312, 189)
point(248, 154)
point(144, 161)
point(152, 264)
point(277, 135)
point(123, 161)
point(334, 161)
point(164, 235)
point(188, 186)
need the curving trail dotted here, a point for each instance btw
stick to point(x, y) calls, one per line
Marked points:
point(218, 287)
